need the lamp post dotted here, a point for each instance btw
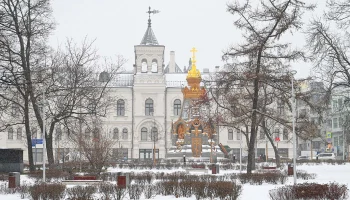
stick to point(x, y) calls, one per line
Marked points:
point(44, 142)
point(293, 72)
point(240, 152)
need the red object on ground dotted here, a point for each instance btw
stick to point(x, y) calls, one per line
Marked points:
point(121, 181)
point(12, 182)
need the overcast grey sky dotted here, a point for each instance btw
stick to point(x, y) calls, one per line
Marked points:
point(118, 25)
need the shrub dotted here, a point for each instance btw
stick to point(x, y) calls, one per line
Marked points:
point(81, 192)
point(304, 175)
point(199, 190)
point(185, 188)
point(149, 191)
point(135, 191)
point(310, 191)
point(54, 191)
point(170, 187)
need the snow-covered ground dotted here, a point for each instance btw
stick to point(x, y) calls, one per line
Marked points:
point(325, 173)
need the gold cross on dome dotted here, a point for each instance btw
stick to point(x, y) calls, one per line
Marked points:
point(193, 50)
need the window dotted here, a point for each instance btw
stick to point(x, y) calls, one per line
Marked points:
point(154, 66)
point(154, 134)
point(329, 123)
point(238, 135)
point(115, 134)
point(125, 134)
point(120, 107)
point(148, 154)
point(120, 153)
point(277, 134)
point(335, 141)
point(92, 107)
point(34, 133)
point(335, 123)
point(335, 105)
point(177, 107)
point(10, 133)
point(149, 107)
point(285, 134)
point(144, 134)
point(230, 134)
point(144, 65)
point(87, 134)
point(58, 133)
point(15, 110)
point(302, 113)
point(340, 103)
point(280, 108)
point(96, 133)
point(19, 133)
point(262, 134)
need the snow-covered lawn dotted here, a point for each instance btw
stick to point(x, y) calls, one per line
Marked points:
point(325, 173)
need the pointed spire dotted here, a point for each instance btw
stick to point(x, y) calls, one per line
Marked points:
point(149, 38)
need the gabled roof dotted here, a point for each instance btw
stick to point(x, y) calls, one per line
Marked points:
point(149, 38)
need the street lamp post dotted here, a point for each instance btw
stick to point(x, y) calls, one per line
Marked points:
point(44, 142)
point(293, 72)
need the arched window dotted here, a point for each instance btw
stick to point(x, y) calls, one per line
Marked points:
point(177, 107)
point(10, 133)
point(154, 134)
point(154, 66)
point(238, 132)
point(115, 133)
point(19, 133)
point(144, 134)
point(87, 134)
point(144, 65)
point(120, 107)
point(285, 134)
point(149, 107)
point(125, 134)
point(58, 133)
point(96, 133)
point(230, 134)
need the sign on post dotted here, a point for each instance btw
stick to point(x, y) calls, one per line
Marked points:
point(36, 141)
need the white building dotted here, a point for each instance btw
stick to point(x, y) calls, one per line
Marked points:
point(149, 100)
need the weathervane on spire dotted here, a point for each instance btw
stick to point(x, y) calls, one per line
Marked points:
point(149, 14)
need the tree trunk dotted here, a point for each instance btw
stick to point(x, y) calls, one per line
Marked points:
point(275, 149)
point(49, 150)
point(28, 135)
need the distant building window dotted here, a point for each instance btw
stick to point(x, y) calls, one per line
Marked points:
point(125, 134)
point(230, 134)
point(154, 134)
point(149, 107)
point(58, 133)
point(285, 134)
point(10, 133)
point(335, 123)
point(177, 107)
point(87, 134)
point(144, 134)
point(34, 133)
point(144, 65)
point(92, 107)
point(238, 134)
point(120, 107)
point(19, 133)
point(262, 134)
point(96, 133)
point(280, 107)
point(277, 133)
point(154, 66)
point(115, 133)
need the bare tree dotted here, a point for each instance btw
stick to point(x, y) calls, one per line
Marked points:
point(262, 55)
point(95, 145)
point(24, 28)
point(74, 88)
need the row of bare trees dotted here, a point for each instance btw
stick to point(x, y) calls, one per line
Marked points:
point(66, 77)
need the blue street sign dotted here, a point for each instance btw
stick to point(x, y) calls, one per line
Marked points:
point(36, 141)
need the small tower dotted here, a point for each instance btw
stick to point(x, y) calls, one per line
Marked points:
point(149, 55)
